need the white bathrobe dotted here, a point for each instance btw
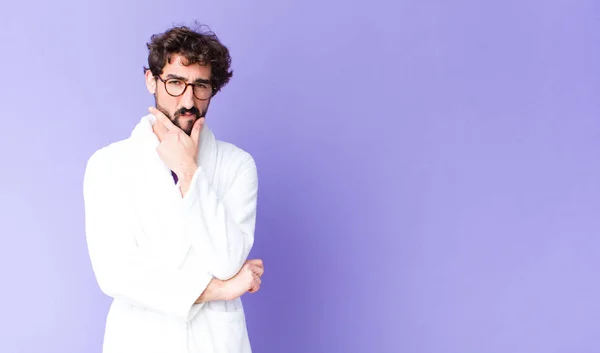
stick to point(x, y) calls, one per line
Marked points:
point(155, 252)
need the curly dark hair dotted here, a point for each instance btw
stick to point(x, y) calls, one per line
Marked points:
point(196, 46)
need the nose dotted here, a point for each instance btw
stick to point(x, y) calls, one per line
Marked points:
point(187, 98)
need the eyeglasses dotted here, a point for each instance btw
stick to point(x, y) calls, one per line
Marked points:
point(176, 87)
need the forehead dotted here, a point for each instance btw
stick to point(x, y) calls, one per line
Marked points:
point(190, 72)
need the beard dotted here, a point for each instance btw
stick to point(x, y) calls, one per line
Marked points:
point(176, 117)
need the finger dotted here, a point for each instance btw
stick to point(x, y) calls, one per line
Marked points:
point(256, 262)
point(257, 280)
point(160, 130)
point(256, 288)
point(162, 118)
point(196, 129)
point(257, 283)
point(258, 271)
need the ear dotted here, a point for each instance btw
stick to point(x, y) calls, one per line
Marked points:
point(150, 82)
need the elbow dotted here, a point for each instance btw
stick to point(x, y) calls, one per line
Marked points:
point(228, 267)
point(106, 286)
point(226, 272)
point(106, 281)
point(228, 263)
point(108, 291)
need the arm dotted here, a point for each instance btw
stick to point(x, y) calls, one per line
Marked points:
point(247, 280)
point(214, 291)
point(122, 271)
point(224, 228)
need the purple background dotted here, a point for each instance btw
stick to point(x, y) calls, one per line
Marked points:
point(429, 179)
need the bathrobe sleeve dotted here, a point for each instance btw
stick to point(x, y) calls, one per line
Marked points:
point(223, 227)
point(120, 269)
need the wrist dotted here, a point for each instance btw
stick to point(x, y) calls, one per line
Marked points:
point(224, 290)
point(187, 173)
point(216, 290)
point(185, 177)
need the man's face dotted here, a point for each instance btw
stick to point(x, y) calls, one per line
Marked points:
point(185, 109)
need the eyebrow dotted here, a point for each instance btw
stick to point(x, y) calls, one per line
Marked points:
point(200, 80)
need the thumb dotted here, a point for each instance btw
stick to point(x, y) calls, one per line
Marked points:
point(196, 129)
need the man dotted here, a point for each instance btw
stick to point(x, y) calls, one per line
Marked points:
point(170, 213)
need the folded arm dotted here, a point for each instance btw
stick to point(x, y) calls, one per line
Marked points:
point(222, 228)
point(120, 269)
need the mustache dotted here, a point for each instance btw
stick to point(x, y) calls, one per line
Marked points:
point(192, 110)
